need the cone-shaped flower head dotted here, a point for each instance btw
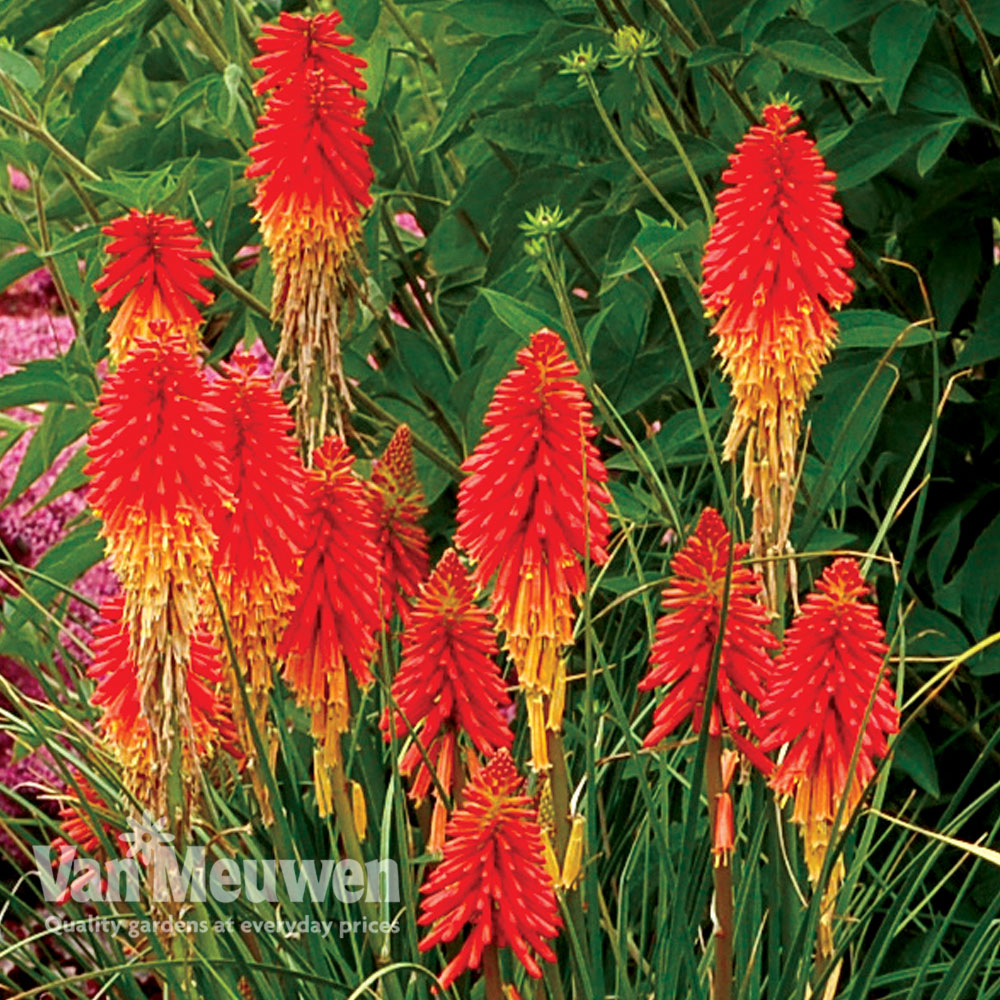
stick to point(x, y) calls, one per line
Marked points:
point(448, 684)
point(261, 534)
point(310, 160)
point(297, 45)
point(154, 273)
point(530, 510)
point(117, 693)
point(775, 262)
point(492, 877)
point(686, 636)
point(397, 501)
point(336, 618)
point(817, 698)
point(159, 475)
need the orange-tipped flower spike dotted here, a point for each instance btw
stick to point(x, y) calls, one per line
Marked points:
point(529, 512)
point(297, 45)
point(775, 263)
point(816, 701)
point(154, 273)
point(123, 720)
point(159, 479)
point(261, 534)
point(492, 878)
point(310, 159)
point(335, 620)
point(447, 685)
point(686, 637)
point(397, 502)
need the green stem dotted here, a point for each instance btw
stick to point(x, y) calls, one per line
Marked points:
point(206, 43)
point(627, 153)
point(419, 43)
point(45, 137)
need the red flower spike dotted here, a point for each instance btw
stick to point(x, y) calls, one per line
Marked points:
point(262, 533)
point(297, 45)
point(775, 261)
point(310, 159)
point(448, 682)
point(816, 702)
point(117, 693)
point(397, 503)
point(159, 475)
point(154, 273)
point(492, 877)
point(685, 639)
point(529, 510)
point(336, 618)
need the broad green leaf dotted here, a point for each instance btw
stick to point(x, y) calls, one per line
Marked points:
point(500, 17)
point(912, 755)
point(943, 549)
point(476, 85)
point(86, 31)
point(71, 478)
point(936, 146)
point(17, 266)
point(360, 16)
point(810, 49)
point(934, 88)
point(20, 69)
point(759, 15)
point(21, 21)
point(875, 143)
point(572, 133)
point(679, 440)
point(873, 328)
point(96, 84)
point(975, 588)
point(12, 231)
point(520, 317)
point(835, 15)
point(897, 38)
point(60, 426)
point(42, 381)
point(658, 242)
point(952, 275)
point(186, 97)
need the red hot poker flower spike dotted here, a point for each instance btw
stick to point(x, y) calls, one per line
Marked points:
point(297, 45)
point(397, 503)
point(154, 273)
point(261, 534)
point(492, 877)
point(775, 262)
point(817, 699)
point(310, 159)
point(686, 636)
point(117, 693)
point(447, 684)
point(531, 507)
point(336, 618)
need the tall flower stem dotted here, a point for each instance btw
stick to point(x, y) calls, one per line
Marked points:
point(627, 153)
point(722, 876)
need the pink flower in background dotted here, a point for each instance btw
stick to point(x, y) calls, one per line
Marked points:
point(407, 221)
point(29, 331)
point(18, 179)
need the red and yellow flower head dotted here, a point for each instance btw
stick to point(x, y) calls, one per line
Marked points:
point(310, 160)
point(775, 263)
point(261, 533)
point(154, 273)
point(448, 684)
point(687, 635)
point(530, 511)
point(296, 45)
point(397, 501)
point(335, 619)
point(159, 478)
point(823, 682)
point(123, 720)
point(492, 877)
